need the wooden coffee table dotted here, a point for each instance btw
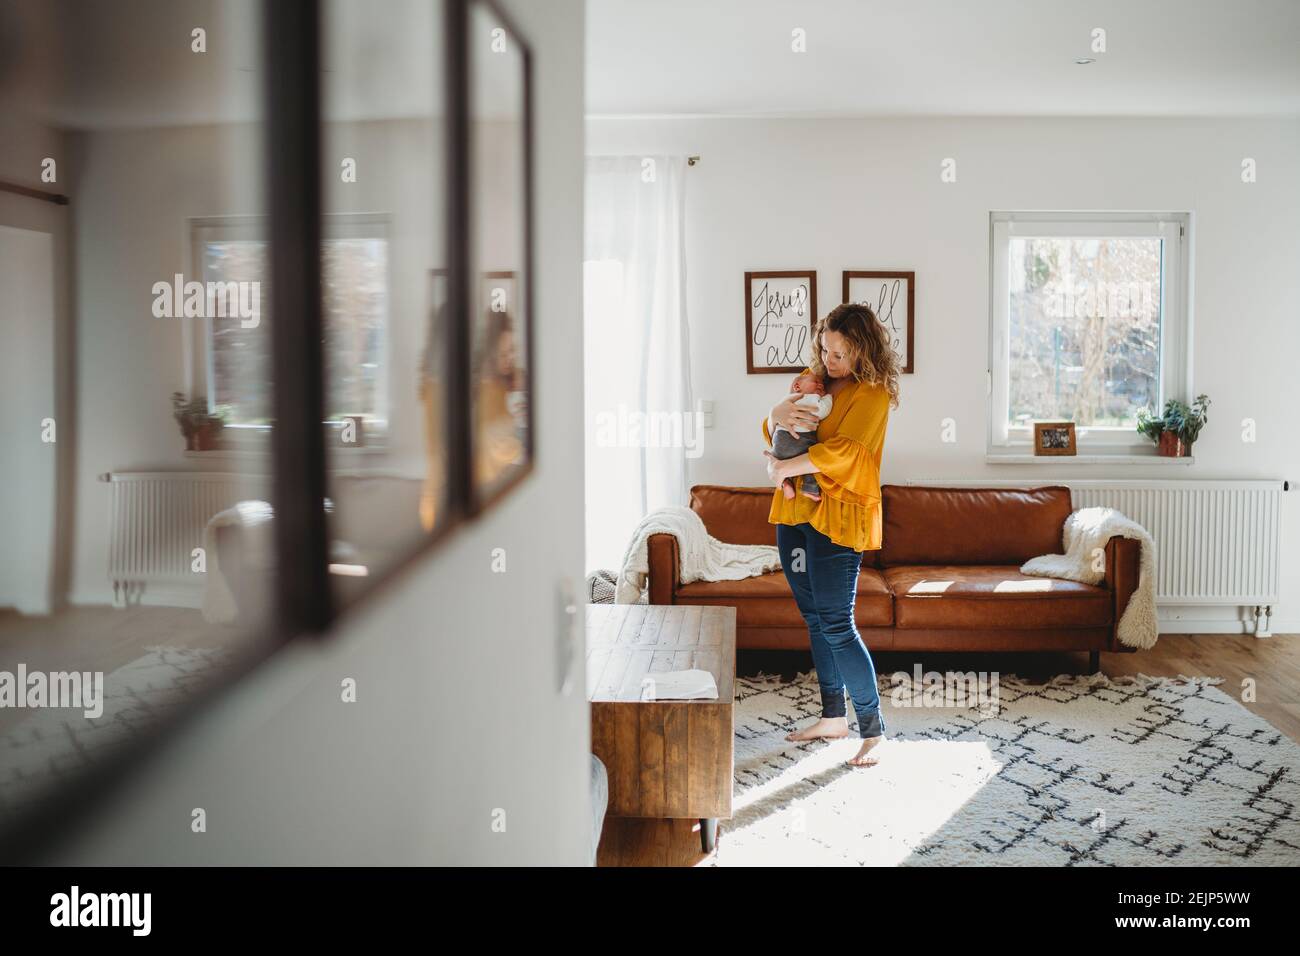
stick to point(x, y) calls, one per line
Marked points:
point(666, 758)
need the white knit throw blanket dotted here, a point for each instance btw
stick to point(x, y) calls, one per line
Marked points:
point(1086, 533)
point(703, 557)
point(219, 605)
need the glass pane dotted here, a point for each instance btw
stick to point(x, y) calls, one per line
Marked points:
point(1084, 330)
point(499, 319)
point(135, 347)
point(354, 280)
point(240, 356)
point(383, 274)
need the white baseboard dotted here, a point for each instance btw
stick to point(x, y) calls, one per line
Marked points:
point(1216, 619)
point(90, 597)
point(161, 595)
point(1184, 619)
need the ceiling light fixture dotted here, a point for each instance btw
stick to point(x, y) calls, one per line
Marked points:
point(1083, 60)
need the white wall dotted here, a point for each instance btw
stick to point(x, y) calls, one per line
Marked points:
point(27, 144)
point(458, 713)
point(133, 192)
point(27, 390)
point(866, 194)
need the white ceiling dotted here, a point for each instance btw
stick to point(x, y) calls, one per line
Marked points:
point(943, 57)
point(88, 63)
point(121, 63)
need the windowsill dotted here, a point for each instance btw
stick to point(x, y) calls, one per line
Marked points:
point(244, 453)
point(368, 461)
point(993, 458)
point(240, 443)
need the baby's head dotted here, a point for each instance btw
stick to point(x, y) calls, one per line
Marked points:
point(808, 385)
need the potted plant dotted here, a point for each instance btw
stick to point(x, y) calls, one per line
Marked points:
point(1176, 429)
point(199, 426)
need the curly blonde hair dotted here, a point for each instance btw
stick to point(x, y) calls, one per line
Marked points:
point(871, 358)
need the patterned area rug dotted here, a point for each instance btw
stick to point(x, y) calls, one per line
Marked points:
point(1081, 771)
point(53, 744)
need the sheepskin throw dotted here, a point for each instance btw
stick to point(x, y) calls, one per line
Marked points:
point(1086, 533)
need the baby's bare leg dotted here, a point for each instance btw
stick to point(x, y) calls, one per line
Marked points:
point(808, 485)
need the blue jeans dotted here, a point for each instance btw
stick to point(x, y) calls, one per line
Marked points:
point(824, 578)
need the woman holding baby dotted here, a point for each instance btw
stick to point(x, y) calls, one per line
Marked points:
point(823, 530)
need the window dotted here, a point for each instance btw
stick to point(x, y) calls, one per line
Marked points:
point(236, 354)
point(1089, 324)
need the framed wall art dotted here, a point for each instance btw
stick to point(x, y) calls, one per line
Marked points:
point(892, 296)
point(780, 314)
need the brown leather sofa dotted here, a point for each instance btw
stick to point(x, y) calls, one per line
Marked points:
point(947, 577)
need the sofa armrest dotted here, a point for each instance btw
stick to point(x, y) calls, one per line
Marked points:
point(665, 568)
point(1123, 563)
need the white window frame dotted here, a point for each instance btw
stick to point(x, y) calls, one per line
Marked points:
point(200, 373)
point(1175, 369)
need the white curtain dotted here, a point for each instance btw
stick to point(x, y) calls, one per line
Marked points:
point(640, 416)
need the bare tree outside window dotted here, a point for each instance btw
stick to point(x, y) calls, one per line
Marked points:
point(241, 357)
point(354, 277)
point(1085, 325)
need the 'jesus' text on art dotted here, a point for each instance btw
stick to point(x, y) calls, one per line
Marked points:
point(784, 316)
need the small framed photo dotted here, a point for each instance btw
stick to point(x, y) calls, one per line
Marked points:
point(892, 296)
point(780, 314)
point(1054, 438)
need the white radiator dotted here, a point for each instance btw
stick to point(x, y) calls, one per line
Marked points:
point(1217, 542)
point(157, 520)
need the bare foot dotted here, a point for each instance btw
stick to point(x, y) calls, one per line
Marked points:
point(787, 488)
point(815, 496)
point(827, 728)
point(862, 760)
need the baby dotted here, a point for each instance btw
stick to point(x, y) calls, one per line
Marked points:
point(786, 444)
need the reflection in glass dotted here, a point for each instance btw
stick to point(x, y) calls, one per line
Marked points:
point(500, 323)
point(433, 491)
point(155, 483)
point(385, 289)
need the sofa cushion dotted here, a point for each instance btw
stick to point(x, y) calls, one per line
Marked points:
point(735, 515)
point(967, 596)
point(768, 600)
point(971, 525)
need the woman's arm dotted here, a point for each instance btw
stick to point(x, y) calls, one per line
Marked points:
point(792, 416)
point(782, 468)
point(849, 461)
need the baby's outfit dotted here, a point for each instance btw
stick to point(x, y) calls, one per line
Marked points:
point(787, 444)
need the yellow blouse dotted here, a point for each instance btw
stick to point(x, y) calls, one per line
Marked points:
point(850, 441)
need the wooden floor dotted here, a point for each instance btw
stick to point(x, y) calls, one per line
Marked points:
point(1273, 664)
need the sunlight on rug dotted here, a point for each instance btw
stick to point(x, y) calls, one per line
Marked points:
point(1080, 771)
